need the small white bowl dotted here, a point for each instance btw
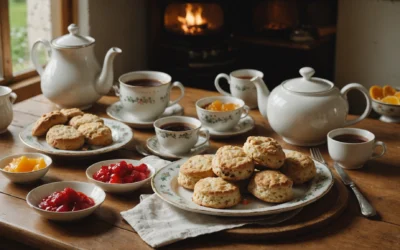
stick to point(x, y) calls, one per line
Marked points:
point(113, 187)
point(221, 121)
point(25, 177)
point(388, 112)
point(35, 196)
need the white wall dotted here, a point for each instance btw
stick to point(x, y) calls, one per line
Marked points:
point(122, 24)
point(368, 45)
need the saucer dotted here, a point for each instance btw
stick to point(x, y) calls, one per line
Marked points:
point(246, 124)
point(117, 112)
point(155, 148)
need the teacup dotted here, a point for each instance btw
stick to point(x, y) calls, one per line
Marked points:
point(240, 85)
point(146, 94)
point(221, 120)
point(353, 147)
point(7, 98)
point(179, 134)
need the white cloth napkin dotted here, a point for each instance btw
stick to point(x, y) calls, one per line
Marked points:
point(160, 224)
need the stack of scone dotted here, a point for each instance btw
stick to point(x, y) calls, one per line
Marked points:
point(81, 128)
point(261, 164)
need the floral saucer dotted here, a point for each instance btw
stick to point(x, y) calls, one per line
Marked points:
point(117, 112)
point(155, 148)
point(246, 124)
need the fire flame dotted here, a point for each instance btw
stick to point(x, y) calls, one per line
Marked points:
point(193, 22)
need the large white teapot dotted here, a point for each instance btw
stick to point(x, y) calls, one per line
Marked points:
point(73, 77)
point(303, 110)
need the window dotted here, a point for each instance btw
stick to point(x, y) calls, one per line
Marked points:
point(22, 22)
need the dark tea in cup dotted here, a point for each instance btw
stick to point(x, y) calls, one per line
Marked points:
point(177, 126)
point(144, 82)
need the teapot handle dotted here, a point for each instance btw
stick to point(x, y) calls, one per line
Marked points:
point(35, 56)
point(363, 90)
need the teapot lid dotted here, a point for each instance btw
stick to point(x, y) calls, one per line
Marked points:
point(307, 83)
point(73, 40)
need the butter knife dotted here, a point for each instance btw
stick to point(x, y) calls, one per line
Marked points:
point(366, 208)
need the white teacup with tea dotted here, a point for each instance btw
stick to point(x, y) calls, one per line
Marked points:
point(180, 134)
point(353, 147)
point(7, 98)
point(240, 85)
point(146, 94)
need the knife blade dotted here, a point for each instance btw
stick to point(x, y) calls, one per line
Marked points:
point(343, 175)
point(366, 208)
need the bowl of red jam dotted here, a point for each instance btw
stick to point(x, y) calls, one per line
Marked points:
point(119, 175)
point(66, 200)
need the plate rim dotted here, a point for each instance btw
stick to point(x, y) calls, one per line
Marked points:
point(170, 156)
point(219, 212)
point(217, 134)
point(81, 153)
point(140, 124)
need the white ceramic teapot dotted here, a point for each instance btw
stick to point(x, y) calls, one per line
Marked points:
point(303, 110)
point(73, 77)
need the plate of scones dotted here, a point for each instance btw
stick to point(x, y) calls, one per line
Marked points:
point(71, 132)
point(259, 178)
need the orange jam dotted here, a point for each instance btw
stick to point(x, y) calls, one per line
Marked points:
point(219, 106)
point(24, 164)
point(386, 94)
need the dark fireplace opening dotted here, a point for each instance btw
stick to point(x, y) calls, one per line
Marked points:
point(196, 40)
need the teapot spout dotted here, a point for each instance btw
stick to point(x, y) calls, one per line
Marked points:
point(262, 95)
point(106, 78)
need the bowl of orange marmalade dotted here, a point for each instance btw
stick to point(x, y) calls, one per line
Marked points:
point(386, 102)
point(26, 167)
point(221, 113)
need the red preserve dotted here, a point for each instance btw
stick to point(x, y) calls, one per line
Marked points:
point(66, 201)
point(122, 172)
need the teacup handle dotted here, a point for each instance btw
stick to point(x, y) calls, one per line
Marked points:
point(363, 90)
point(13, 97)
point(180, 86)
point(116, 90)
point(205, 132)
point(246, 111)
point(216, 83)
point(379, 144)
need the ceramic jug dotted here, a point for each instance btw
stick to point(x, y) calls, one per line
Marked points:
point(73, 77)
point(7, 98)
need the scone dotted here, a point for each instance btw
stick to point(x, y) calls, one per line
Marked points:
point(194, 169)
point(47, 121)
point(265, 152)
point(271, 186)
point(299, 167)
point(69, 113)
point(85, 118)
point(96, 133)
point(65, 137)
point(215, 192)
point(231, 163)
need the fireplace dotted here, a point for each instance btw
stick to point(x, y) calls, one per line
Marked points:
point(193, 19)
point(194, 40)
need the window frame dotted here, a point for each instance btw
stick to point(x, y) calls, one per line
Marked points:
point(68, 16)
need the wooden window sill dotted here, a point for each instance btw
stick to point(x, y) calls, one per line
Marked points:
point(27, 88)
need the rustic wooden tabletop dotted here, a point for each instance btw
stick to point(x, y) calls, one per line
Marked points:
point(379, 181)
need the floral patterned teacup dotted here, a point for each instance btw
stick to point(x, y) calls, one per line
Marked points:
point(179, 134)
point(240, 85)
point(147, 102)
point(221, 121)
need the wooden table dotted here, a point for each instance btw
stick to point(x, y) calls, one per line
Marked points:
point(379, 180)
